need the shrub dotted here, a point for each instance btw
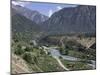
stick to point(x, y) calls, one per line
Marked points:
point(49, 53)
point(28, 49)
point(29, 57)
point(60, 57)
point(64, 51)
point(71, 44)
point(16, 40)
point(18, 50)
point(31, 43)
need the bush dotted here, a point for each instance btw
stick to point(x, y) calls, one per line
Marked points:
point(60, 57)
point(64, 51)
point(71, 44)
point(31, 43)
point(81, 48)
point(28, 49)
point(16, 40)
point(86, 61)
point(30, 58)
point(19, 46)
point(49, 53)
point(19, 51)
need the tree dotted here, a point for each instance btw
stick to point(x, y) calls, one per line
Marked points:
point(16, 40)
point(18, 50)
point(81, 48)
point(28, 49)
point(64, 51)
point(29, 57)
point(31, 43)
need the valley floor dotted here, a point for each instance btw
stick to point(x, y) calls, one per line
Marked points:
point(34, 58)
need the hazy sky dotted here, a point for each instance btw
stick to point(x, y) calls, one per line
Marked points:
point(44, 8)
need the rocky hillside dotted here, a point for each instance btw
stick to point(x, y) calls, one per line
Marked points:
point(30, 14)
point(80, 19)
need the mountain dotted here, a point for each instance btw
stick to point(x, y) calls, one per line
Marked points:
point(80, 19)
point(22, 24)
point(30, 14)
point(22, 27)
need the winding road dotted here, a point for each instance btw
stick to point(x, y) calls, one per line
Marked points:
point(61, 64)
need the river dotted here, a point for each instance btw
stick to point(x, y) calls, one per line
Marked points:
point(55, 53)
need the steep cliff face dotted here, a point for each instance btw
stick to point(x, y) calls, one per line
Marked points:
point(80, 19)
point(72, 20)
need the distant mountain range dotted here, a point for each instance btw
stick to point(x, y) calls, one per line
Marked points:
point(30, 14)
point(80, 19)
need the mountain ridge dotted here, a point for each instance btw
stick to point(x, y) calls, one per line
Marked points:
point(33, 15)
point(72, 20)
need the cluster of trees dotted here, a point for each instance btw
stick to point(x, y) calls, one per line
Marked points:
point(30, 58)
point(71, 45)
point(20, 50)
point(64, 50)
point(26, 53)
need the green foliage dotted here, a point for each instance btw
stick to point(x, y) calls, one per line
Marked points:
point(85, 61)
point(29, 57)
point(18, 50)
point(31, 43)
point(42, 52)
point(49, 64)
point(16, 40)
point(60, 57)
point(64, 51)
point(71, 44)
point(76, 65)
point(81, 48)
point(28, 49)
